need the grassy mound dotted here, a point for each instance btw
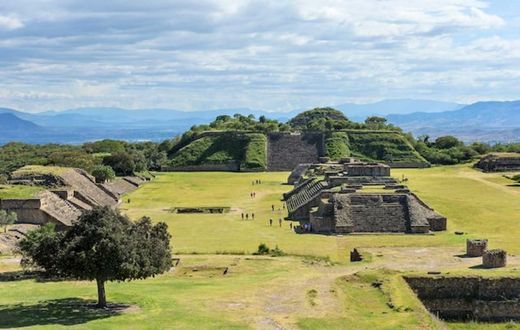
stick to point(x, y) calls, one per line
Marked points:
point(385, 146)
point(213, 149)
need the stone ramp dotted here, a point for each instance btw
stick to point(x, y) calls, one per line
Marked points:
point(58, 210)
point(121, 186)
point(86, 188)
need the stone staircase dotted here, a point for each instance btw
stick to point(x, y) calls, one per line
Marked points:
point(307, 192)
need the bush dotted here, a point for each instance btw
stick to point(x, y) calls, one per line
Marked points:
point(263, 249)
point(103, 173)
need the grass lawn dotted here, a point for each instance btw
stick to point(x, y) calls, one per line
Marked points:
point(18, 191)
point(266, 292)
point(479, 204)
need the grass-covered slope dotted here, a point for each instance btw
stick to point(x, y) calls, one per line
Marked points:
point(388, 146)
point(337, 145)
point(248, 149)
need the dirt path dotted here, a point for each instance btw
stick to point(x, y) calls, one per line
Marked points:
point(281, 304)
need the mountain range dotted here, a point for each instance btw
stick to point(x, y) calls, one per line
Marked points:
point(484, 121)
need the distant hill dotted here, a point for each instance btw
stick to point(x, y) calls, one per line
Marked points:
point(395, 106)
point(488, 121)
point(11, 123)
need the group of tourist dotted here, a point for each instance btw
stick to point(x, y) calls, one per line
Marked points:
point(257, 181)
point(246, 216)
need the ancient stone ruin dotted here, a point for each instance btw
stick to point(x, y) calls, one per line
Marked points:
point(499, 162)
point(469, 298)
point(70, 193)
point(494, 258)
point(340, 203)
point(476, 247)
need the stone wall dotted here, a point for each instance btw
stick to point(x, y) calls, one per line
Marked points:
point(285, 151)
point(369, 170)
point(469, 298)
point(373, 213)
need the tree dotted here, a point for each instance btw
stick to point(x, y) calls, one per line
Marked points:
point(7, 218)
point(102, 245)
point(103, 173)
point(447, 142)
point(121, 162)
point(375, 122)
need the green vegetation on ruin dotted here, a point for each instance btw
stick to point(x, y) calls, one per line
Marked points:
point(18, 191)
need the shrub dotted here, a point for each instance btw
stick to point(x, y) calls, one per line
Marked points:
point(103, 173)
point(263, 249)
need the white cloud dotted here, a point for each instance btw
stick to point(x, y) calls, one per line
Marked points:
point(10, 23)
point(262, 54)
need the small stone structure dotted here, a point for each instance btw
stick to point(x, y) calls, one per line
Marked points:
point(469, 298)
point(494, 258)
point(476, 247)
point(339, 204)
point(499, 162)
point(355, 256)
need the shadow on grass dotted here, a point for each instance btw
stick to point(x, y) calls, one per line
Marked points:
point(21, 275)
point(67, 311)
point(478, 267)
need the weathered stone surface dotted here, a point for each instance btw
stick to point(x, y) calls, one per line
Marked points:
point(476, 247)
point(285, 151)
point(469, 298)
point(494, 258)
point(499, 162)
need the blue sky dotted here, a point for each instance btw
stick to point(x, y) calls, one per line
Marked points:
point(271, 55)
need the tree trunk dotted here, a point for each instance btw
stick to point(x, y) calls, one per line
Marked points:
point(102, 298)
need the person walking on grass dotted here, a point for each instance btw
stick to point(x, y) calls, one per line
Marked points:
point(242, 215)
point(247, 216)
point(270, 222)
point(280, 222)
point(252, 216)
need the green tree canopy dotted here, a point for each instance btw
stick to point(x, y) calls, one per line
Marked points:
point(103, 173)
point(102, 246)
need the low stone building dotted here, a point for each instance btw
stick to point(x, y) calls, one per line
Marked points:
point(340, 204)
point(499, 162)
point(71, 191)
